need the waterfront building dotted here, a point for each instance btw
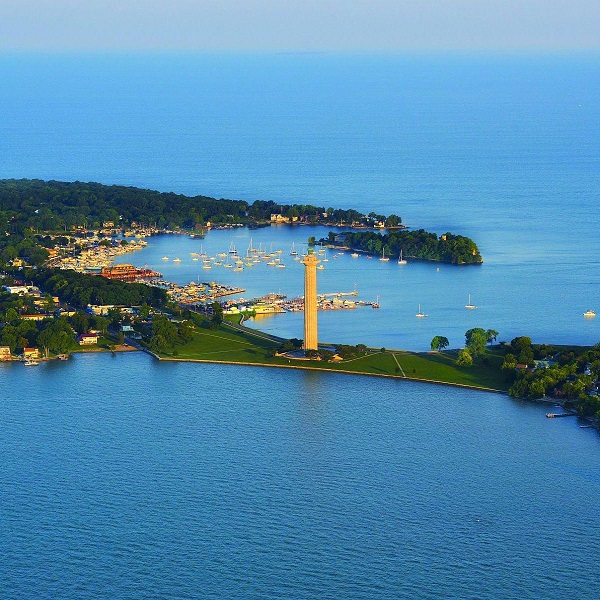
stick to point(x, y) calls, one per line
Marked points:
point(310, 262)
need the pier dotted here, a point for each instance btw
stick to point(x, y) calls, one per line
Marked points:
point(559, 415)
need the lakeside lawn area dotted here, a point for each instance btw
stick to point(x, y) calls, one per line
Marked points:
point(252, 347)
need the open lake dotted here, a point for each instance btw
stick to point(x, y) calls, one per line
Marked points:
point(125, 478)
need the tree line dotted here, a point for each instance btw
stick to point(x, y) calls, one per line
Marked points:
point(36, 205)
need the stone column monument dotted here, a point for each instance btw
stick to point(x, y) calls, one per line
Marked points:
point(310, 262)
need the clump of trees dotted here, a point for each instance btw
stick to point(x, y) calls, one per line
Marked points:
point(439, 342)
point(448, 248)
point(167, 334)
point(476, 341)
point(346, 352)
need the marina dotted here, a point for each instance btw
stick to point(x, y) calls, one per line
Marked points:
point(443, 289)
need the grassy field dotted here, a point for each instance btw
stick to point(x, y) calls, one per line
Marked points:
point(228, 345)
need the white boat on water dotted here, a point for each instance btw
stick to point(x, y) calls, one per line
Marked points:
point(384, 258)
point(401, 261)
point(31, 363)
point(354, 255)
point(589, 314)
point(165, 258)
point(469, 305)
point(320, 268)
point(293, 251)
point(176, 260)
point(421, 314)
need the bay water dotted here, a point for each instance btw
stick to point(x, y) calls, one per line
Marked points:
point(125, 478)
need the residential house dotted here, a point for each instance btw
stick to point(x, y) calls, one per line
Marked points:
point(31, 353)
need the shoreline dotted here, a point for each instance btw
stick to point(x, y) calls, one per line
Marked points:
point(343, 371)
point(592, 423)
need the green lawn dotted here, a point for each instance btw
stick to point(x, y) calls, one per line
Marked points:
point(225, 345)
point(228, 345)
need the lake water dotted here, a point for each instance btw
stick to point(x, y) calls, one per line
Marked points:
point(215, 481)
point(125, 478)
point(504, 150)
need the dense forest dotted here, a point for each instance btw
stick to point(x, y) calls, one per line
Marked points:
point(421, 244)
point(32, 204)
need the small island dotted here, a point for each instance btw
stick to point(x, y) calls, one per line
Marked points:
point(418, 244)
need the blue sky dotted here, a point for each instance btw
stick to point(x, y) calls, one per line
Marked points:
point(303, 25)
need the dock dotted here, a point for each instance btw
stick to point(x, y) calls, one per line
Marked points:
point(558, 415)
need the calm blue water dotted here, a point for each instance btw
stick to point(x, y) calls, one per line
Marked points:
point(125, 478)
point(211, 481)
point(505, 150)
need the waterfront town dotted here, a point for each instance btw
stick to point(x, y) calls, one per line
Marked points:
point(93, 254)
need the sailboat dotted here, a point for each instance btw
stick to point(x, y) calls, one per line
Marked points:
point(469, 305)
point(401, 261)
point(293, 251)
point(420, 314)
point(384, 258)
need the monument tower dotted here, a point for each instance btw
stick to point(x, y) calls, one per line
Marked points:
point(310, 262)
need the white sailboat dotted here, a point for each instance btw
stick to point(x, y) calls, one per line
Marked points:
point(384, 258)
point(420, 314)
point(401, 261)
point(293, 251)
point(469, 305)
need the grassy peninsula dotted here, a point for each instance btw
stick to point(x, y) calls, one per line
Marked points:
point(229, 343)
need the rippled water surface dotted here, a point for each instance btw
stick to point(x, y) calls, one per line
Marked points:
point(125, 478)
